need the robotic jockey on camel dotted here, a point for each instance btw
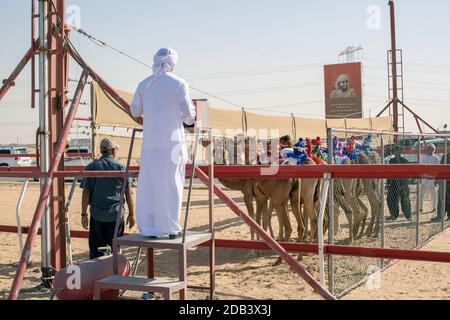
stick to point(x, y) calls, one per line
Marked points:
point(313, 149)
point(163, 101)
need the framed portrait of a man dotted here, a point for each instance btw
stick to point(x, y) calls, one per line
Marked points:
point(343, 91)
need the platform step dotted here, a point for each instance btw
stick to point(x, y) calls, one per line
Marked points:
point(166, 287)
point(193, 239)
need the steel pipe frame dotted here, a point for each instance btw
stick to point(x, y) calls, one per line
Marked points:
point(320, 219)
point(115, 97)
point(394, 65)
point(45, 93)
point(14, 293)
point(8, 83)
point(330, 214)
point(35, 155)
point(335, 250)
point(381, 132)
point(275, 246)
point(18, 209)
point(373, 171)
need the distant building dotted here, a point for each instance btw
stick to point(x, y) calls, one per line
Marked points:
point(82, 142)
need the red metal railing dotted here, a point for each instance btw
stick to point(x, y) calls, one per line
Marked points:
point(35, 155)
point(417, 171)
point(386, 253)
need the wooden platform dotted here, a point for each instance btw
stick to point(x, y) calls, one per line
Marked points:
point(193, 239)
point(166, 287)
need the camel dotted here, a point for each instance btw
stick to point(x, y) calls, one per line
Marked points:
point(245, 186)
point(309, 196)
point(280, 192)
point(277, 192)
point(227, 150)
point(347, 194)
point(372, 190)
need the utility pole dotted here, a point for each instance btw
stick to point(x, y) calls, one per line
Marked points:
point(44, 153)
point(53, 64)
point(394, 67)
point(349, 52)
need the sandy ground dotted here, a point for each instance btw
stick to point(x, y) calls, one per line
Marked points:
point(411, 279)
point(240, 274)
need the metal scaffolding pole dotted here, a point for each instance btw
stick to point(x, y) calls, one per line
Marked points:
point(45, 192)
point(394, 66)
point(44, 151)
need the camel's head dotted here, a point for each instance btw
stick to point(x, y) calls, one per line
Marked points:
point(285, 142)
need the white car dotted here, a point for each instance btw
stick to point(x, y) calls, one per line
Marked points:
point(11, 157)
point(76, 156)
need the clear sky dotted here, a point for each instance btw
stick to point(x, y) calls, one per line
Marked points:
point(263, 54)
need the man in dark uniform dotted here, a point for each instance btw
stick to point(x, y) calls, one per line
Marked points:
point(398, 190)
point(441, 208)
point(103, 197)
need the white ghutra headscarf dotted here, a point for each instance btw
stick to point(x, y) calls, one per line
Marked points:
point(163, 61)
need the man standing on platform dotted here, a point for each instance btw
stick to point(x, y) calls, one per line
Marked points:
point(163, 101)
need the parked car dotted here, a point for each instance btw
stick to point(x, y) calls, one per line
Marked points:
point(13, 158)
point(78, 156)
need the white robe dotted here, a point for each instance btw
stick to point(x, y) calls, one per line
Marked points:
point(165, 105)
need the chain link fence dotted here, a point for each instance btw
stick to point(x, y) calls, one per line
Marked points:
point(378, 213)
point(384, 213)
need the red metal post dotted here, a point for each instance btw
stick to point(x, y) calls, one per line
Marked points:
point(33, 58)
point(418, 124)
point(150, 263)
point(267, 239)
point(394, 66)
point(419, 118)
point(212, 247)
point(57, 83)
point(411, 171)
point(384, 109)
point(306, 248)
point(102, 83)
point(45, 192)
point(8, 83)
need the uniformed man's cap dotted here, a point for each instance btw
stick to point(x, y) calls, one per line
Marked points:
point(108, 144)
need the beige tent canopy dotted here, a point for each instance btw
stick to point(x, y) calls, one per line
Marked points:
point(258, 125)
point(106, 113)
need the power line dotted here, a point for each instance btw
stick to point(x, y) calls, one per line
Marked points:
point(104, 44)
point(268, 89)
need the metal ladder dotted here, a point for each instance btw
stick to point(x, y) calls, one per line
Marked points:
point(400, 92)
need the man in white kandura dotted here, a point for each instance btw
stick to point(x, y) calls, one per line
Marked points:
point(163, 101)
point(429, 185)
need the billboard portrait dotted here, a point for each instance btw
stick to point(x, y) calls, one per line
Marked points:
point(343, 91)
